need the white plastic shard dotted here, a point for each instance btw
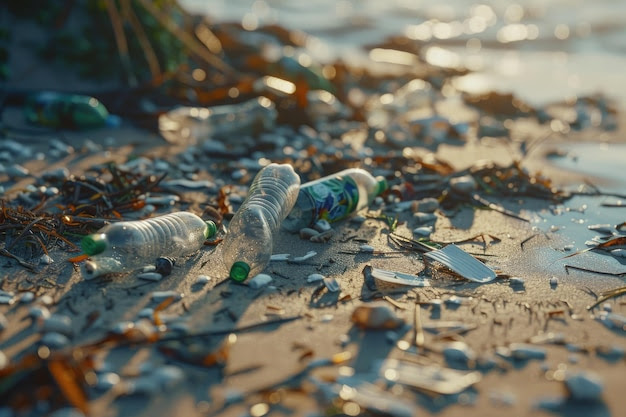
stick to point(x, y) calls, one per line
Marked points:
point(462, 263)
point(400, 278)
point(432, 378)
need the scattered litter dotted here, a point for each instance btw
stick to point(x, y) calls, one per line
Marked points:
point(517, 282)
point(620, 253)
point(584, 386)
point(400, 278)
point(150, 276)
point(375, 316)
point(462, 263)
point(458, 353)
point(430, 378)
point(612, 321)
point(259, 281)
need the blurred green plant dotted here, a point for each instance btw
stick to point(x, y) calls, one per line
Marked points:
point(108, 39)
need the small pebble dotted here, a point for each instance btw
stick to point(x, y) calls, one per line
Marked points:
point(426, 205)
point(613, 353)
point(606, 229)
point(458, 353)
point(524, 351)
point(327, 318)
point(7, 299)
point(150, 276)
point(306, 256)
point(146, 313)
point(315, 278)
point(425, 218)
point(554, 281)
point(323, 237)
point(202, 280)
point(322, 226)
point(366, 248)
point(516, 282)
point(584, 386)
point(158, 296)
point(307, 233)
point(358, 219)
point(376, 316)
point(423, 231)
point(148, 268)
point(59, 324)
point(259, 281)
point(46, 300)
point(465, 184)
point(46, 259)
point(106, 381)
point(17, 171)
point(607, 307)
point(38, 313)
point(55, 340)
point(3, 322)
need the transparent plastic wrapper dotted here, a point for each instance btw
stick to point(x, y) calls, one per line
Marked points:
point(247, 247)
point(191, 125)
point(334, 197)
point(129, 245)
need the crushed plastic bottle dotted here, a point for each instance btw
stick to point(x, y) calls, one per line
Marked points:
point(195, 124)
point(129, 245)
point(334, 197)
point(62, 110)
point(247, 247)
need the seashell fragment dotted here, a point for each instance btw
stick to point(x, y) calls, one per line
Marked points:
point(375, 316)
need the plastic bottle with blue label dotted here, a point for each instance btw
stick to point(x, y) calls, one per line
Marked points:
point(334, 197)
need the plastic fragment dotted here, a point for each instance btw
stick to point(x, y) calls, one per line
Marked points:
point(423, 231)
point(307, 233)
point(259, 281)
point(55, 340)
point(525, 351)
point(366, 248)
point(425, 218)
point(400, 278)
point(202, 280)
point(606, 229)
point(280, 257)
point(331, 284)
point(315, 278)
point(612, 321)
point(431, 378)
point(303, 258)
point(458, 353)
point(462, 263)
point(158, 296)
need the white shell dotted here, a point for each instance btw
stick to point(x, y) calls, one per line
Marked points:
point(259, 281)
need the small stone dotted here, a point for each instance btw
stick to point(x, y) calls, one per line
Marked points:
point(46, 300)
point(202, 280)
point(525, 351)
point(4, 323)
point(46, 259)
point(323, 237)
point(26, 297)
point(364, 248)
point(375, 316)
point(38, 313)
point(146, 313)
point(465, 184)
point(107, 380)
point(158, 296)
point(55, 340)
point(322, 226)
point(259, 281)
point(458, 353)
point(607, 307)
point(59, 324)
point(327, 318)
point(307, 233)
point(17, 171)
point(425, 218)
point(554, 281)
point(150, 276)
point(426, 205)
point(148, 268)
point(331, 284)
point(358, 219)
point(517, 282)
point(424, 231)
point(315, 278)
point(584, 386)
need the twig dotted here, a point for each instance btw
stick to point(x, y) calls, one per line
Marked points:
point(578, 268)
point(606, 296)
point(142, 38)
point(497, 208)
point(120, 41)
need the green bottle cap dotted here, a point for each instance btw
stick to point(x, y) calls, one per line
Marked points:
point(382, 185)
point(93, 244)
point(211, 229)
point(239, 271)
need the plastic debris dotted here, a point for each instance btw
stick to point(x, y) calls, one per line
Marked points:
point(458, 353)
point(260, 280)
point(462, 263)
point(202, 280)
point(400, 278)
point(612, 321)
point(247, 247)
point(331, 284)
point(158, 296)
point(375, 316)
point(150, 276)
point(305, 257)
point(525, 351)
point(315, 278)
point(423, 231)
point(55, 340)
point(333, 198)
point(430, 378)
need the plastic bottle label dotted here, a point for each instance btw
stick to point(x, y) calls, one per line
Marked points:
point(333, 199)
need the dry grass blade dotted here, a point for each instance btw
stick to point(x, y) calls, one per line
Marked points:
point(607, 296)
point(67, 379)
point(142, 38)
point(120, 41)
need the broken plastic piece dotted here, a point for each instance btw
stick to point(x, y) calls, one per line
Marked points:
point(431, 378)
point(462, 263)
point(400, 278)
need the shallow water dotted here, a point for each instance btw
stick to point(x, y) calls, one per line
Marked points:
point(542, 51)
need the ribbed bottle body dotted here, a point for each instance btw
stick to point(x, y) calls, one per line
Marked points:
point(254, 226)
point(133, 244)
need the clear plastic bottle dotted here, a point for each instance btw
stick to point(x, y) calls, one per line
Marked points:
point(248, 245)
point(73, 111)
point(128, 245)
point(334, 197)
point(194, 124)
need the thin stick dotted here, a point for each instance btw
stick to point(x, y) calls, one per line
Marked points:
point(611, 294)
point(120, 40)
point(146, 46)
point(419, 329)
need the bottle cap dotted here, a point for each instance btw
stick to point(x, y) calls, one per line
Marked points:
point(239, 271)
point(382, 185)
point(211, 229)
point(93, 244)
